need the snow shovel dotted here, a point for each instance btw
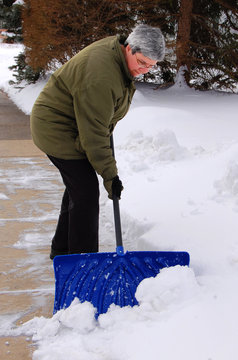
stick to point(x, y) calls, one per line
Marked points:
point(109, 278)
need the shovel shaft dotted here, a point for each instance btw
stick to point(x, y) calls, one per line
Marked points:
point(116, 209)
point(117, 220)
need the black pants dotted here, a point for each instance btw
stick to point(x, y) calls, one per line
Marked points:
point(77, 228)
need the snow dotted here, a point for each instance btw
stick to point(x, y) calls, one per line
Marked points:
point(177, 152)
point(3, 196)
point(19, 2)
point(25, 97)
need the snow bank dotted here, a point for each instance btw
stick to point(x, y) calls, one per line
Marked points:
point(26, 97)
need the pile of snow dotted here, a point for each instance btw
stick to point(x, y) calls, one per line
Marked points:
point(176, 317)
point(163, 146)
point(177, 157)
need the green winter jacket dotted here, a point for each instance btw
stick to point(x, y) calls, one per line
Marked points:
point(80, 105)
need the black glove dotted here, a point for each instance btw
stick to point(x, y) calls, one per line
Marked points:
point(117, 187)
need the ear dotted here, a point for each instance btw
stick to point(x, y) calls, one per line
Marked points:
point(128, 48)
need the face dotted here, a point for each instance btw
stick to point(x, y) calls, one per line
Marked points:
point(138, 63)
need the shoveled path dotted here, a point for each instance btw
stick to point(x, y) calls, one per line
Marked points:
point(26, 274)
point(14, 124)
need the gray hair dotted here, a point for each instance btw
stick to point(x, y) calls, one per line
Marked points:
point(147, 40)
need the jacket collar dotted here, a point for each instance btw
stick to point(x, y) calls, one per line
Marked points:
point(121, 59)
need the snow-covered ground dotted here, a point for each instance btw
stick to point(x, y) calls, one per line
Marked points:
point(177, 154)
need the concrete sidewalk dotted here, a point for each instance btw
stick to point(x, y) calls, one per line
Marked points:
point(14, 124)
point(28, 183)
point(15, 135)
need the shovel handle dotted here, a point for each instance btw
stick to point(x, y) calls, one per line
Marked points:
point(116, 210)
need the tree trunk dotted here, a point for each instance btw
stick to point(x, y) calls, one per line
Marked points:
point(183, 36)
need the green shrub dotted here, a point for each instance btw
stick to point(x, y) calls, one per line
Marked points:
point(22, 71)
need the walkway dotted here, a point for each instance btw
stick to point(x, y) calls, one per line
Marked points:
point(27, 220)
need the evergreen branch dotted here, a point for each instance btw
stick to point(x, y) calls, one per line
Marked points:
point(227, 6)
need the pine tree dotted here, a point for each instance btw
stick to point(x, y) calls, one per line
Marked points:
point(10, 19)
point(213, 44)
point(23, 72)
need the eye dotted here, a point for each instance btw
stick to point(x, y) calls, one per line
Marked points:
point(141, 62)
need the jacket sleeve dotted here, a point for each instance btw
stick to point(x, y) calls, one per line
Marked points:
point(94, 109)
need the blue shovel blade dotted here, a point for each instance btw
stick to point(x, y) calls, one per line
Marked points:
point(108, 278)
